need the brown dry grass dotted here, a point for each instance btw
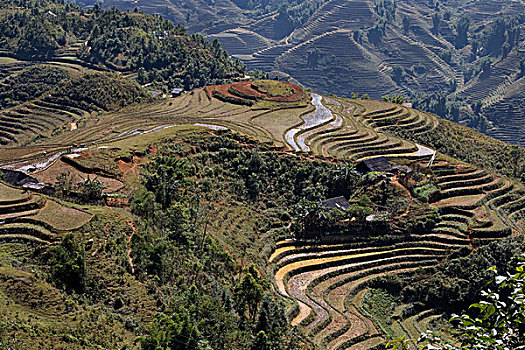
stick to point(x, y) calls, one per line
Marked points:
point(61, 217)
point(49, 175)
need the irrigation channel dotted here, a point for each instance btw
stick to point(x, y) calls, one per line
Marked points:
point(320, 116)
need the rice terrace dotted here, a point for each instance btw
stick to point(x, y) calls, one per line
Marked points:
point(326, 284)
point(156, 195)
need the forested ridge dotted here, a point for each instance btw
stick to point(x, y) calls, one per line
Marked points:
point(154, 48)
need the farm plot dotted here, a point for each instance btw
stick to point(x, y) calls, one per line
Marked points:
point(327, 281)
point(343, 129)
point(35, 219)
point(476, 204)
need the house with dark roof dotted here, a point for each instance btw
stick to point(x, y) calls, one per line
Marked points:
point(381, 164)
point(21, 179)
point(335, 203)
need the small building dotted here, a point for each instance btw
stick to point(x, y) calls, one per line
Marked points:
point(176, 92)
point(21, 179)
point(335, 203)
point(381, 164)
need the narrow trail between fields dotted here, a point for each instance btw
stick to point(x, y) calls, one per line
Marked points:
point(128, 252)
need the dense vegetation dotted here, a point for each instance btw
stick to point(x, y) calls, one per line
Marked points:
point(29, 84)
point(455, 283)
point(232, 307)
point(99, 91)
point(159, 51)
point(495, 322)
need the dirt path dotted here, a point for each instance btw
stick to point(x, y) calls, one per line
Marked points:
point(128, 252)
point(396, 183)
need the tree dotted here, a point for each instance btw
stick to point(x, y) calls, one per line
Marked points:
point(90, 190)
point(261, 342)
point(406, 24)
point(522, 68)
point(398, 73)
point(249, 293)
point(68, 264)
point(171, 332)
point(436, 21)
point(65, 184)
point(462, 28)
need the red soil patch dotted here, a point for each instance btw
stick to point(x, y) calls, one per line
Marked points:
point(221, 89)
point(85, 155)
point(245, 88)
point(127, 167)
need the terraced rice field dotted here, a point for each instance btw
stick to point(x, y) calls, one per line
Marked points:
point(26, 217)
point(475, 204)
point(348, 129)
point(329, 282)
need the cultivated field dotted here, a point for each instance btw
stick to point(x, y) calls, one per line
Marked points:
point(326, 284)
point(32, 218)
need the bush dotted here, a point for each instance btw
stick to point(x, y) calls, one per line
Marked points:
point(68, 265)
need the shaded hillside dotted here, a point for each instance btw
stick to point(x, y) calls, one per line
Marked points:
point(29, 84)
point(149, 47)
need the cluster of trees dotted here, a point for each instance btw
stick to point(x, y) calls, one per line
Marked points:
point(87, 191)
point(292, 15)
point(127, 41)
point(233, 307)
point(99, 91)
point(312, 219)
point(386, 9)
point(499, 38)
point(67, 263)
point(455, 283)
point(398, 99)
point(165, 52)
point(29, 84)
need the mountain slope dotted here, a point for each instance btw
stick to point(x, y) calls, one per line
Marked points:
point(447, 57)
point(149, 47)
point(201, 203)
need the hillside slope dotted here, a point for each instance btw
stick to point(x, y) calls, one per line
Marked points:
point(200, 204)
point(447, 56)
point(149, 48)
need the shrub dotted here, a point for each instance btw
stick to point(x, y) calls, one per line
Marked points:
point(68, 265)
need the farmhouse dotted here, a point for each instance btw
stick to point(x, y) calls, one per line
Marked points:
point(21, 179)
point(374, 164)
